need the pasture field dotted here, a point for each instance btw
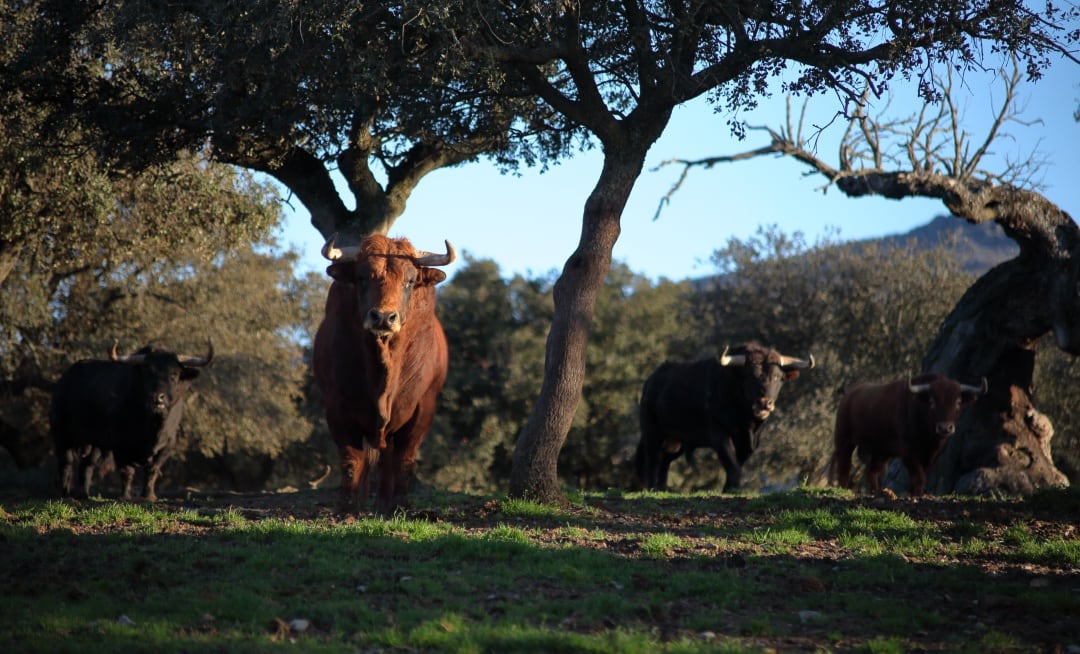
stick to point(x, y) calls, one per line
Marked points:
point(809, 570)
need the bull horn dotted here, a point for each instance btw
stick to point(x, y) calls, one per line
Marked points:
point(126, 358)
point(424, 258)
point(199, 362)
point(796, 363)
point(917, 388)
point(731, 359)
point(333, 253)
point(977, 390)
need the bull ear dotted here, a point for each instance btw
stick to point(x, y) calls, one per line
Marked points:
point(431, 276)
point(791, 374)
point(340, 271)
point(187, 374)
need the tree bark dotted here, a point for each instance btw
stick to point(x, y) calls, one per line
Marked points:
point(1002, 444)
point(534, 473)
point(9, 256)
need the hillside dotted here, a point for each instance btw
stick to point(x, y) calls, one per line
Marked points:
point(980, 246)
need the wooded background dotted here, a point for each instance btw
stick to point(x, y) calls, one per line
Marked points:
point(865, 310)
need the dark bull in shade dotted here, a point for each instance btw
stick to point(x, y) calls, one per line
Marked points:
point(719, 402)
point(128, 408)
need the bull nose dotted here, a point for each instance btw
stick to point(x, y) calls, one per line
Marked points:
point(945, 428)
point(765, 404)
point(383, 320)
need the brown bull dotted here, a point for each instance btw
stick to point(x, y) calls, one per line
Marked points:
point(911, 419)
point(380, 360)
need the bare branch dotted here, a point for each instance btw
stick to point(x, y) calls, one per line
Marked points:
point(927, 155)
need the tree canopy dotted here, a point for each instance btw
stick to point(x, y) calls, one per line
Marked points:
point(301, 91)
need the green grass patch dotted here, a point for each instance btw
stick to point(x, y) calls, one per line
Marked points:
point(639, 572)
point(660, 546)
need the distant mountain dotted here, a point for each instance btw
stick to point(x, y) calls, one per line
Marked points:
point(980, 247)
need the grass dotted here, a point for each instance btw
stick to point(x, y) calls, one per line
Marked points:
point(646, 572)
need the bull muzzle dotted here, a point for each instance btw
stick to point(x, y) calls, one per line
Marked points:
point(945, 429)
point(763, 408)
point(382, 323)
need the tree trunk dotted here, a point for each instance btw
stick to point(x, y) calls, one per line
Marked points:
point(534, 473)
point(9, 256)
point(1002, 444)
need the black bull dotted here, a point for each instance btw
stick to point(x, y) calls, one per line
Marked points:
point(128, 408)
point(718, 402)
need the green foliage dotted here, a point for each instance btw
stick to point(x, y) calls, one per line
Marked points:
point(182, 255)
point(1056, 378)
point(865, 312)
point(497, 331)
point(363, 89)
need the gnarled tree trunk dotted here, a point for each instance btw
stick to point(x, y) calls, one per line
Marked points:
point(534, 473)
point(1002, 445)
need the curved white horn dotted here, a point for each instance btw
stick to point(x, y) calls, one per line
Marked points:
point(977, 390)
point(199, 362)
point(333, 253)
point(799, 364)
point(424, 258)
point(917, 388)
point(726, 359)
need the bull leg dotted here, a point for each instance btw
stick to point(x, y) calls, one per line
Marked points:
point(732, 469)
point(663, 464)
point(89, 468)
point(400, 459)
point(389, 465)
point(354, 477)
point(841, 463)
point(127, 473)
point(917, 479)
point(653, 462)
point(873, 473)
point(66, 460)
point(153, 471)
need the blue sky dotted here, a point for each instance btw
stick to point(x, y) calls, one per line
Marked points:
point(530, 224)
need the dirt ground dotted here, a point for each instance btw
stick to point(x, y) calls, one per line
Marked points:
point(623, 520)
point(697, 520)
